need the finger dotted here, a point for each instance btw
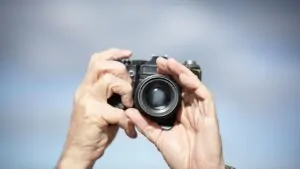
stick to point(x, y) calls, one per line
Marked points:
point(162, 68)
point(178, 68)
point(101, 67)
point(148, 128)
point(162, 64)
point(118, 117)
point(193, 83)
point(111, 54)
point(187, 79)
point(109, 84)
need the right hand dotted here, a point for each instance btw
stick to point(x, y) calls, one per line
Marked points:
point(94, 122)
point(194, 142)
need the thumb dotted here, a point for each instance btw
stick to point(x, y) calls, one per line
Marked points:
point(149, 129)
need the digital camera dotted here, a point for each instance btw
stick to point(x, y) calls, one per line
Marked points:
point(156, 96)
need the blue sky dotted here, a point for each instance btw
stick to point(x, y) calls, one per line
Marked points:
point(249, 53)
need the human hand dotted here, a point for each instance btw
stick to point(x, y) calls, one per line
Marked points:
point(194, 142)
point(94, 122)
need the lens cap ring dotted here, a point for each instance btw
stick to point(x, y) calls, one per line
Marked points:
point(171, 88)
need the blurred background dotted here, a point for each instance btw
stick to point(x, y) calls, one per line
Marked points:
point(249, 52)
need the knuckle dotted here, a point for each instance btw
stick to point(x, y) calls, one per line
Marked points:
point(125, 87)
point(78, 93)
point(81, 94)
point(87, 105)
point(93, 58)
point(209, 95)
point(97, 66)
point(94, 55)
point(129, 88)
point(109, 66)
point(107, 81)
point(107, 78)
point(100, 68)
point(83, 102)
point(115, 67)
point(121, 66)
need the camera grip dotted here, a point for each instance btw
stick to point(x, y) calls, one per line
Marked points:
point(115, 101)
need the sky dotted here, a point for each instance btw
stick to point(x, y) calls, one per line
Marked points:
point(249, 53)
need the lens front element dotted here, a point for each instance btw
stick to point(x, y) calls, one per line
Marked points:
point(158, 96)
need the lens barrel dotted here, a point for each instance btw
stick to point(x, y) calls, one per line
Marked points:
point(158, 97)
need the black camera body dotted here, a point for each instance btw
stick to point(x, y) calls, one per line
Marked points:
point(156, 96)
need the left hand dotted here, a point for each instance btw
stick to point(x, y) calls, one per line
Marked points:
point(94, 123)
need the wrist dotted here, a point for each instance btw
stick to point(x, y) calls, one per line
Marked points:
point(66, 163)
point(76, 158)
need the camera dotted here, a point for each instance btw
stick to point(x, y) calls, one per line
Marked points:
point(156, 96)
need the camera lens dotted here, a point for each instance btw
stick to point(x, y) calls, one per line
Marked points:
point(157, 96)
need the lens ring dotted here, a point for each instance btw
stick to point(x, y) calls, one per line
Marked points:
point(154, 79)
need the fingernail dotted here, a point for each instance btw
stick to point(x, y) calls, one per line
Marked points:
point(131, 129)
point(135, 135)
point(126, 52)
point(160, 58)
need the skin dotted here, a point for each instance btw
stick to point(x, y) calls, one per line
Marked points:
point(193, 143)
